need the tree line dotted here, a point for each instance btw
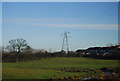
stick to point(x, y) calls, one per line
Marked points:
point(19, 50)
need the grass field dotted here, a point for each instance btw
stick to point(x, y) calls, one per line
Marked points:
point(52, 67)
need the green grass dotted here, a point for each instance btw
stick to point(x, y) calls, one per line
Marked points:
point(50, 67)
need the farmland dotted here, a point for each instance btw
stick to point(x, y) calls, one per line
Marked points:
point(48, 68)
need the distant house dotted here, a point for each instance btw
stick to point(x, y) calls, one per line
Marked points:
point(80, 52)
point(103, 50)
point(92, 50)
point(108, 50)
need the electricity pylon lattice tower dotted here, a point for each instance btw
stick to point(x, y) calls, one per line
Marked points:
point(65, 42)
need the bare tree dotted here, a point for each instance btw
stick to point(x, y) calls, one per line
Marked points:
point(20, 43)
point(12, 46)
point(16, 45)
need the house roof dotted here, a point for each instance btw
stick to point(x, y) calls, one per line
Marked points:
point(80, 50)
point(93, 48)
point(104, 48)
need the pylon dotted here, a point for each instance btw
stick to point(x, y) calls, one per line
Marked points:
point(65, 42)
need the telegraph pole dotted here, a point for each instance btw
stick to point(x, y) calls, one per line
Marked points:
point(65, 42)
